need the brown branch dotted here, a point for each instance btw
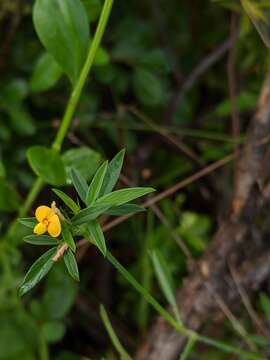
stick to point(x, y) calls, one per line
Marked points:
point(233, 242)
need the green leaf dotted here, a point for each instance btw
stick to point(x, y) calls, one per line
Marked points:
point(112, 173)
point(265, 304)
point(2, 169)
point(67, 200)
point(124, 209)
point(63, 29)
point(79, 183)
point(102, 57)
point(46, 73)
point(40, 240)
point(21, 120)
point(37, 271)
point(96, 183)
point(93, 8)
point(53, 331)
point(163, 276)
point(259, 340)
point(165, 279)
point(30, 222)
point(90, 213)
point(83, 159)
point(67, 236)
point(147, 87)
point(59, 293)
point(123, 196)
point(47, 164)
point(71, 264)
point(97, 236)
point(9, 199)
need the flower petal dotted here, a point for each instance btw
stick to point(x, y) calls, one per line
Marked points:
point(54, 228)
point(40, 229)
point(43, 212)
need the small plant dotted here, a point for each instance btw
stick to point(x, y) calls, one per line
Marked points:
point(80, 219)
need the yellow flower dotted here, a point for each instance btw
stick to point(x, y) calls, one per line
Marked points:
point(48, 220)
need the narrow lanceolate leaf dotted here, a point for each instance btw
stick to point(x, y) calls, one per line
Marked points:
point(124, 209)
point(112, 173)
point(71, 264)
point(28, 222)
point(97, 236)
point(90, 213)
point(96, 183)
point(63, 29)
point(119, 197)
point(79, 183)
point(164, 279)
point(37, 271)
point(40, 240)
point(67, 200)
point(67, 236)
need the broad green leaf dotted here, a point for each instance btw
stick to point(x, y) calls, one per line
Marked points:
point(67, 236)
point(90, 213)
point(46, 73)
point(63, 29)
point(97, 236)
point(48, 164)
point(147, 87)
point(96, 183)
point(83, 159)
point(67, 200)
point(265, 304)
point(21, 119)
point(28, 222)
point(71, 264)
point(53, 331)
point(123, 196)
point(79, 183)
point(59, 293)
point(9, 199)
point(112, 173)
point(40, 240)
point(93, 8)
point(102, 57)
point(124, 209)
point(37, 271)
point(164, 279)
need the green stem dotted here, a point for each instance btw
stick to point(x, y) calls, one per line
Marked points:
point(76, 93)
point(71, 106)
point(43, 349)
point(118, 346)
point(175, 324)
point(189, 347)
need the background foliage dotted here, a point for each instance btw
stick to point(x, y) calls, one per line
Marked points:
point(134, 99)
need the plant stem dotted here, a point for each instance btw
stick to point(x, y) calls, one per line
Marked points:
point(189, 347)
point(118, 346)
point(43, 349)
point(76, 93)
point(168, 317)
point(71, 106)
